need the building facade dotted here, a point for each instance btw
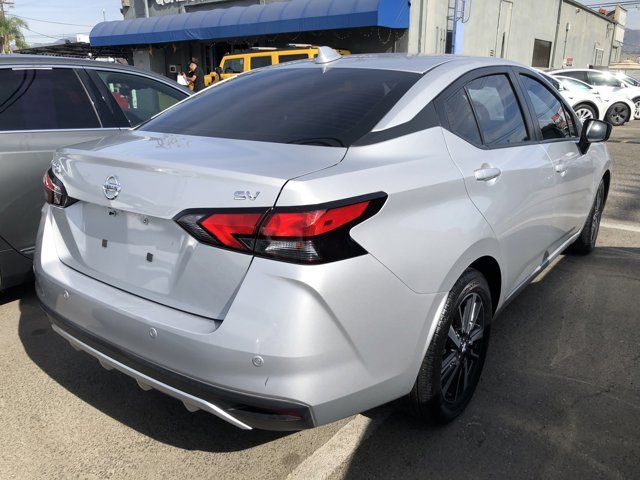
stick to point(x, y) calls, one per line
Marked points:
point(163, 35)
point(538, 33)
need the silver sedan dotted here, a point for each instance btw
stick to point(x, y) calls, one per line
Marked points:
point(308, 241)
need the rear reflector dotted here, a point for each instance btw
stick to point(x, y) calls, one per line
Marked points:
point(308, 235)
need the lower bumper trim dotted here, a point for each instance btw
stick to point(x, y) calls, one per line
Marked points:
point(242, 410)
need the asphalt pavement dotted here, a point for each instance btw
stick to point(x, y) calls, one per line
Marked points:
point(559, 396)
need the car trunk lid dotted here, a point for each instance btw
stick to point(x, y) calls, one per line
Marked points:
point(133, 241)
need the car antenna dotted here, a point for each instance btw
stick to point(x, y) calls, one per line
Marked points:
point(327, 55)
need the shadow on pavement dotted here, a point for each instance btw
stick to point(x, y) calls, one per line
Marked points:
point(560, 391)
point(151, 413)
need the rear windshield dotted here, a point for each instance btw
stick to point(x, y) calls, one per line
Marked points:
point(332, 107)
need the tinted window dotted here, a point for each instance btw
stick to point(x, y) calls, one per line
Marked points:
point(600, 80)
point(582, 76)
point(259, 62)
point(291, 58)
point(297, 105)
point(233, 65)
point(140, 98)
point(552, 118)
point(460, 117)
point(497, 110)
point(541, 53)
point(44, 100)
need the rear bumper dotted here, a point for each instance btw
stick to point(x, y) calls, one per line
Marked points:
point(314, 343)
point(239, 409)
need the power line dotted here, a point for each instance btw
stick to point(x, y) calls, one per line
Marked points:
point(48, 21)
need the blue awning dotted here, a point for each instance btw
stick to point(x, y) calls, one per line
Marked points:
point(255, 20)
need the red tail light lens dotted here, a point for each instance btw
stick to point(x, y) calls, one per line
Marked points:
point(54, 191)
point(308, 235)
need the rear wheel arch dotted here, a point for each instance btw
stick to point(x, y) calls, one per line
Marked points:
point(490, 269)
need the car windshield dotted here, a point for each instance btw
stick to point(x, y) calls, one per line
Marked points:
point(576, 85)
point(315, 106)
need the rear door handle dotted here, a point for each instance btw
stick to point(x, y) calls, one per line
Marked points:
point(561, 168)
point(487, 173)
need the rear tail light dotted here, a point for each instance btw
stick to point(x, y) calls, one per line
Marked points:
point(308, 235)
point(54, 191)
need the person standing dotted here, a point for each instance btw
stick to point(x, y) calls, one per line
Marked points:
point(195, 77)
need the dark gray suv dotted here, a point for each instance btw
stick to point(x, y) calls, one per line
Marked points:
point(50, 102)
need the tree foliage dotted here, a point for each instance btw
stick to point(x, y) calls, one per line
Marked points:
point(10, 33)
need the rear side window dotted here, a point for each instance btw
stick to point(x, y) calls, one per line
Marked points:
point(497, 110)
point(293, 57)
point(274, 106)
point(140, 98)
point(259, 62)
point(582, 76)
point(553, 119)
point(44, 99)
point(233, 65)
point(460, 117)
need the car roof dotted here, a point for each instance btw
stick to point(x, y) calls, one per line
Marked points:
point(401, 61)
point(40, 60)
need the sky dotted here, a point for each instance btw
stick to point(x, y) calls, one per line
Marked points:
point(79, 16)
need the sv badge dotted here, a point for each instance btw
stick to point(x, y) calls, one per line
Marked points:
point(245, 195)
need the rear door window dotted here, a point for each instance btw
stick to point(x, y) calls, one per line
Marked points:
point(552, 118)
point(273, 106)
point(140, 98)
point(44, 99)
point(497, 110)
point(292, 57)
point(460, 117)
point(259, 62)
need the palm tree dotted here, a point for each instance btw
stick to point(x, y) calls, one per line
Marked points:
point(10, 33)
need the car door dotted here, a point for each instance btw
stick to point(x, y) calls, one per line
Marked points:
point(508, 175)
point(41, 110)
point(573, 172)
point(135, 98)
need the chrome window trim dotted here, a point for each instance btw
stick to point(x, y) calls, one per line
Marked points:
point(86, 92)
point(115, 129)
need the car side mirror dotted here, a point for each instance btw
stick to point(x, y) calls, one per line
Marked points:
point(594, 131)
point(218, 70)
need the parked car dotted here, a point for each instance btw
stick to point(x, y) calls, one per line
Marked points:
point(50, 102)
point(236, 63)
point(291, 263)
point(605, 82)
point(588, 102)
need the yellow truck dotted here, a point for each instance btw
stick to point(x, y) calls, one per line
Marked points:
point(233, 64)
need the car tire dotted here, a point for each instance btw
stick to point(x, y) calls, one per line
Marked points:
point(451, 368)
point(618, 114)
point(636, 114)
point(585, 112)
point(586, 242)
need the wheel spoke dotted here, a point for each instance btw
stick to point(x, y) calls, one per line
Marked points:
point(451, 377)
point(453, 335)
point(476, 335)
point(447, 363)
point(467, 369)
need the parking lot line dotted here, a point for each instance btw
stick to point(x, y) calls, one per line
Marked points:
point(621, 226)
point(329, 457)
